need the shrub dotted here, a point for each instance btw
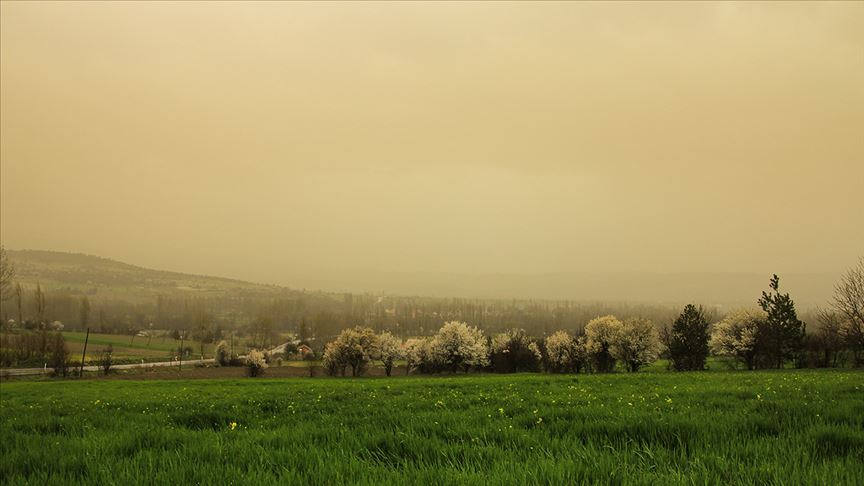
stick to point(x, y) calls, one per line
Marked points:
point(600, 334)
point(255, 363)
point(107, 359)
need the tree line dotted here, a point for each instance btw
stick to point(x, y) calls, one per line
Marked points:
point(770, 336)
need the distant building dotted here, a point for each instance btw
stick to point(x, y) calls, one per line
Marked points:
point(303, 349)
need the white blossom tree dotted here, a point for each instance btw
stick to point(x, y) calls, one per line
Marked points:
point(222, 355)
point(353, 348)
point(389, 349)
point(737, 336)
point(637, 344)
point(256, 363)
point(335, 358)
point(418, 355)
point(565, 353)
point(460, 346)
point(600, 335)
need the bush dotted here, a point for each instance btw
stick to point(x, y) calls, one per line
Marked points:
point(107, 359)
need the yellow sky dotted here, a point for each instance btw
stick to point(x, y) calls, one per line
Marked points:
point(259, 140)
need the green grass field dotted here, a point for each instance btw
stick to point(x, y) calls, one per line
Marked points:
point(126, 349)
point(780, 427)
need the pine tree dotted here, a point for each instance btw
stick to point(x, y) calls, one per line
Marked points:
point(784, 332)
point(688, 344)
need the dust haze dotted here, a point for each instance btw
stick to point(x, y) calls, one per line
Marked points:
point(304, 143)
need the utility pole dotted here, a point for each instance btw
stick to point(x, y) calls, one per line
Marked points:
point(86, 338)
point(182, 336)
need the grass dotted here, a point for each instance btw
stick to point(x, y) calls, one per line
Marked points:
point(126, 349)
point(129, 350)
point(160, 344)
point(767, 427)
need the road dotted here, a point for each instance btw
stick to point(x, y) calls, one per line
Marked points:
point(41, 371)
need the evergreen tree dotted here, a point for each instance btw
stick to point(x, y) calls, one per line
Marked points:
point(784, 332)
point(688, 343)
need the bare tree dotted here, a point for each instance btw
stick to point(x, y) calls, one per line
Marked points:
point(19, 301)
point(7, 273)
point(849, 302)
point(84, 312)
point(41, 304)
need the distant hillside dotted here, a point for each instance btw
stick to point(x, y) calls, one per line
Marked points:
point(87, 274)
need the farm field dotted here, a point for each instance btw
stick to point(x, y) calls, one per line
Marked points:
point(788, 426)
point(126, 349)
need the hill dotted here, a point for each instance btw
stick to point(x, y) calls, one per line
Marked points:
point(87, 274)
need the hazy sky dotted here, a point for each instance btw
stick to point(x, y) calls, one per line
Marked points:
point(269, 140)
